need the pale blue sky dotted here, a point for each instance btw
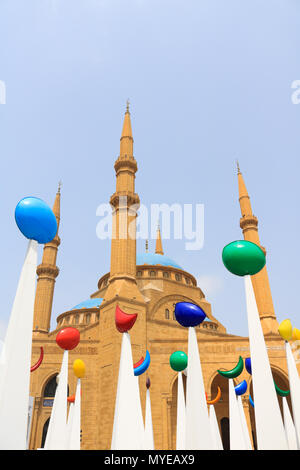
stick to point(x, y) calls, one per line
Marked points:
point(209, 81)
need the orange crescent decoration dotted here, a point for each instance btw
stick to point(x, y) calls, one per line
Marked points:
point(124, 321)
point(216, 399)
point(39, 362)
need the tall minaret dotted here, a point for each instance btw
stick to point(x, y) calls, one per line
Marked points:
point(158, 246)
point(122, 288)
point(47, 272)
point(260, 281)
point(125, 203)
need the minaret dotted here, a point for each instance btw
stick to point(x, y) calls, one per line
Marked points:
point(125, 203)
point(122, 288)
point(158, 246)
point(47, 272)
point(260, 281)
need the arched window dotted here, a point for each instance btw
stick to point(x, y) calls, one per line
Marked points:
point(49, 390)
point(167, 314)
point(152, 273)
point(166, 274)
point(225, 433)
point(97, 316)
point(67, 319)
point(45, 429)
point(139, 274)
point(187, 280)
point(88, 318)
point(76, 319)
point(178, 277)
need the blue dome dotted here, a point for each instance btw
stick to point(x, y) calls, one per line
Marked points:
point(155, 259)
point(90, 303)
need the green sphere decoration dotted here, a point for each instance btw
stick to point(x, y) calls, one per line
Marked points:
point(242, 258)
point(178, 361)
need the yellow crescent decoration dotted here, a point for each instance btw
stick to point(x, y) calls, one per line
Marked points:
point(285, 330)
point(216, 399)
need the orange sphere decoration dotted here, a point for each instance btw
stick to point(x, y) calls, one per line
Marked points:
point(68, 338)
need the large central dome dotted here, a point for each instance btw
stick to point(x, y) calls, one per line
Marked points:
point(153, 259)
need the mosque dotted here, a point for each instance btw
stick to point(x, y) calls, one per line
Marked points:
point(148, 284)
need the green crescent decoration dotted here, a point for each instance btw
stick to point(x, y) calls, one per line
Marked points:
point(281, 393)
point(235, 372)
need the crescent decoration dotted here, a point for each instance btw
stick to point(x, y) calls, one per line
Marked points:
point(216, 399)
point(144, 366)
point(235, 372)
point(137, 364)
point(281, 393)
point(39, 362)
point(241, 388)
point(124, 321)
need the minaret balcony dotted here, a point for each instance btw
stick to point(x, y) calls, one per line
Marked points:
point(249, 221)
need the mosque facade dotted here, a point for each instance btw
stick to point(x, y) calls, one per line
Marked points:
point(149, 284)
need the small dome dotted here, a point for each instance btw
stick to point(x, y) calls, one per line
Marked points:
point(90, 303)
point(155, 259)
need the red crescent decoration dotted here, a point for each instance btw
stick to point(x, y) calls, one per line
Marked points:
point(138, 363)
point(216, 399)
point(39, 362)
point(124, 321)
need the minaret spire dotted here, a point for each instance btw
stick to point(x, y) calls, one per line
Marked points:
point(158, 246)
point(260, 281)
point(47, 272)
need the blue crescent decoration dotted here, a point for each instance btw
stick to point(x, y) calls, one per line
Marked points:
point(144, 366)
point(241, 388)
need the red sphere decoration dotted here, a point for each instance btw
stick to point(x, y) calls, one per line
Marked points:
point(68, 338)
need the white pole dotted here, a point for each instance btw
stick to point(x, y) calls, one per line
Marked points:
point(269, 426)
point(218, 444)
point(289, 426)
point(56, 438)
point(198, 434)
point(294, 389)
point(237, 441)
point(181, 415)
point(16, 358)
point(128, 430)
point(244, 424)
point(69, 423)
point(74, 443)
point(149, 438)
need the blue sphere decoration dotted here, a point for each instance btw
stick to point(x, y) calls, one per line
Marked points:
point(248, 365)
point(188, 314)
point(35, 220)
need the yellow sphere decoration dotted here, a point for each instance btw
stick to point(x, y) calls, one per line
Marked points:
point(286, 330)
point(79, 368)
point(296, 334)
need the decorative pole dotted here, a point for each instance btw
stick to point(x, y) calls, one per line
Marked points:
point(74, 442)
point(56, 439)
point(37, 222)
point(245, 258)
point(178, 362)
point(128, 427)
point(149, 438)
point(286, 332)
point(198, 434)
